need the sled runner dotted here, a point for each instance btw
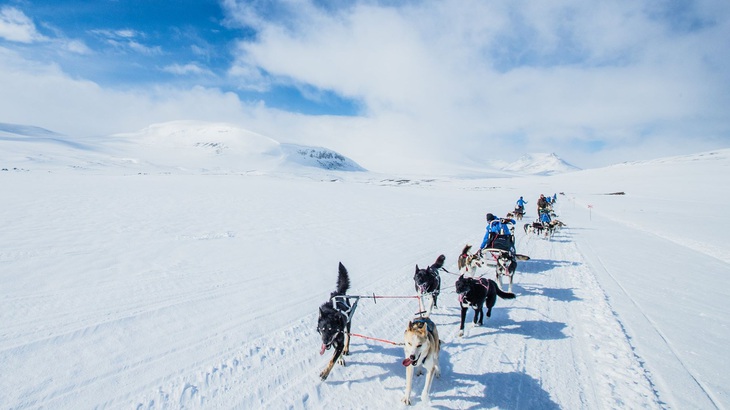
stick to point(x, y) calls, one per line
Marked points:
point(518, 256)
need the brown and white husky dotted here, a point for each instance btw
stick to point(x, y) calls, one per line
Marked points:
point(422, 347)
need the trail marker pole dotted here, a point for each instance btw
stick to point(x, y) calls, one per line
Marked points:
point(590, 217)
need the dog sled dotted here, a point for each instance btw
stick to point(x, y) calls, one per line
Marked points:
point(497, 251)
point(518, 213)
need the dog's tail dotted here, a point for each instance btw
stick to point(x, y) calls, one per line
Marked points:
point(439, 262)
point(466, 250)
point(343, 281)
point(502, 294)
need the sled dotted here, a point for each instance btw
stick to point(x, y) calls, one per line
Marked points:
point(518, 256)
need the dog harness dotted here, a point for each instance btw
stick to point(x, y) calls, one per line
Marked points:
point(426, 322)
point(343, 300)
point(462, 296)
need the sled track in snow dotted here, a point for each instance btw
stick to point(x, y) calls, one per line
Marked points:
point(596, 263)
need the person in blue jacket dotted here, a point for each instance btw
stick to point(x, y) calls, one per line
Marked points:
point(521, 204)
point(498, 234)
point(545, 217)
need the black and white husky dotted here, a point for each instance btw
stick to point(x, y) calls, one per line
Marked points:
point(506, 267)
point(334, 322)
point(421, 347)
point(428, 284)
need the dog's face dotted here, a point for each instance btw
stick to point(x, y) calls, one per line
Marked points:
point(425, 280)
point(331, 326)
point(462, 286)
point(504, 260)
point(416, 344)
point(470, 261)
point(474, 262)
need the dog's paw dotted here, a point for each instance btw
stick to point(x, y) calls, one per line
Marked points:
point(341, 361)
point(461, 333)
point(406, 400)
point(425, 398)
point(419, 371)
point(323, 375)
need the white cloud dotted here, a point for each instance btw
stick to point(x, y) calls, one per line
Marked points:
point(453, 81)
point(42, 95)
point(128, 40)
point(187, 69)
point(76, 47)
point(476, 74)
point(143, 49)
point(16, 26)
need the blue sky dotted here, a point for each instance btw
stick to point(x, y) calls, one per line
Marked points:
point(389, 84)
point(137, 43)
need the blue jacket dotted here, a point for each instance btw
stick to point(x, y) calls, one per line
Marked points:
point(521, 202)
point(545, 217)
point(498, 228)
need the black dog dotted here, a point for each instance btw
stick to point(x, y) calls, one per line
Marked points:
point(334, 322)
point(475, 293)
point(428, 281)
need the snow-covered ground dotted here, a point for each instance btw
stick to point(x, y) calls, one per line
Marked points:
point(173, 289)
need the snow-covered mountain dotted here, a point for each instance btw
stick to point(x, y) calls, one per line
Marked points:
point(177, 145)
point(319, 157)
point(536, 164)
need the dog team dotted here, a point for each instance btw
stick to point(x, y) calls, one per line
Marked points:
point(421, 343)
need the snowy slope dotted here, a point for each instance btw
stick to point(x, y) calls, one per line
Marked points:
point(537, 164)
point(189, 146)
point(195, 290)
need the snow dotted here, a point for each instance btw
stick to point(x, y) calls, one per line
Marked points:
point(155, 283)
point(536, 164)
point(188, 146)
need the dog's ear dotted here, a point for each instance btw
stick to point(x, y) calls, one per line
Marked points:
point(416, 268)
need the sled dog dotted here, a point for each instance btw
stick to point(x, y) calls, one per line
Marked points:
point(428, 284)
point(422, 347)
point(476, 293)
point(534, 227)
point(334, 321)
point(468, 263)
point(506, 266)
point(519, 213)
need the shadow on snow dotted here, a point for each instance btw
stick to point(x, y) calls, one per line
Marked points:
point(560, 294)
point(504, 390)
point(542, 265)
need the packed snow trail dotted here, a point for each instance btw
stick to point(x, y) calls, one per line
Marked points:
point(627, 261)
point(189, 291)
point(558, 345)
